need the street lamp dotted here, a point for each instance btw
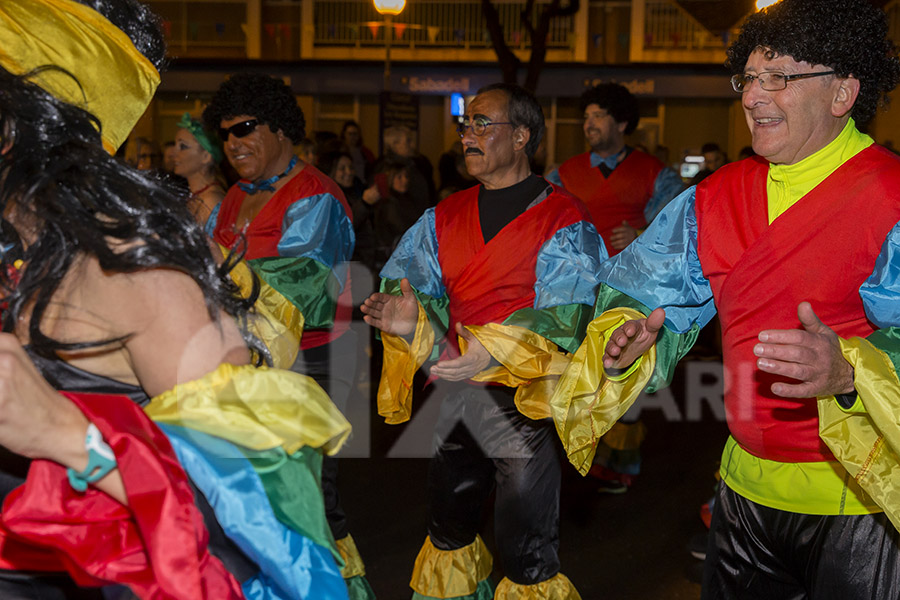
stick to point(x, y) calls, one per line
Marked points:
point(388, 8)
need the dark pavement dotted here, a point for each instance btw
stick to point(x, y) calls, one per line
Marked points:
point(615, 547)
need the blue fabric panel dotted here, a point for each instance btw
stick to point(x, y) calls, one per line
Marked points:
point(567, 265)
point(292, 566)
point(416, 258)
point(553, 177)
point(317, 227)
point(881, 291)
point(661, 267)
point(210, 226)
point(668, 184)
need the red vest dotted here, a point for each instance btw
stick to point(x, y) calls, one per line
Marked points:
point(820, 250)
point(620, 197)
point(265, 232)
point(488, 282)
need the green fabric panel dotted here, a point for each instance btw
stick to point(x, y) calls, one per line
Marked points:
point(437, 310)
point(309, 284)
point(293, 484)
point(358, 588)
point(670, 346)
point(563, 325)
point(484, 591)
point(888, 341)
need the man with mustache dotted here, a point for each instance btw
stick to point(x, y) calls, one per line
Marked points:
point(505, 270)
point(796, 250)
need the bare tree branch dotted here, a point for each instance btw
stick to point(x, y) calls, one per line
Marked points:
point(509, 62)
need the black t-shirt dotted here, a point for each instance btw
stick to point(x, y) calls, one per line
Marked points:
point(498, 208)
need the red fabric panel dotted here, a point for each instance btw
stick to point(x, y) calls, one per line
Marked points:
point(820, 250)
point(620, 197)
point(264, 233)
point(488, 282)
point(157, 545)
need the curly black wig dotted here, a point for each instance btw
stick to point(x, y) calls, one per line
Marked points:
point(141, 24)
point(617, 101)
point(70, 198)
point(265, 98)
point(847, 36)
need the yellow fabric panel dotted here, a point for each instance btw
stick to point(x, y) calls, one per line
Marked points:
point(586, 403)
point(112, 80)
point(353, 562)
point(557, 587)
point(625, 436)
point(275, 320)
point(401, 361)
point(786, 184)
point(451, 573)
point(258, 408)
point(868, 443)
point(528, 362)
point(815, 488)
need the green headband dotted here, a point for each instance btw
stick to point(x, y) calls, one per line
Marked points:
point(210, 143)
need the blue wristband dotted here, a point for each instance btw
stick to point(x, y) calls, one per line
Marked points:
point(101, 461)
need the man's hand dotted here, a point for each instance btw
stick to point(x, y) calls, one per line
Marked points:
point(632, 339)
point(474, 361)
point(622, 235)
point(811, 355)
point(392, 314)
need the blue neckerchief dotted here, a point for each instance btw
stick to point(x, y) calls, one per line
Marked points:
point(266, 184)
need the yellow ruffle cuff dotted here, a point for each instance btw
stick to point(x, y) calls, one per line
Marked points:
point(451, 573)
point(867, 444)
point(353, 562)
point(402, 359)
point(275, 320)
point(258, 408)
point(586, 402)
point(557, 587)
point(112, 80)
point(528, 362)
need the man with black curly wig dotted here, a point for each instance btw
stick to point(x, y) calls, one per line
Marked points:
point(796, 251)
point(298, 231)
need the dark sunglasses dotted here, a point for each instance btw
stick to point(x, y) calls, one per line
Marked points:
point(238, 130)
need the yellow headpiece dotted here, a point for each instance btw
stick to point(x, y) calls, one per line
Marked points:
point(117, 82)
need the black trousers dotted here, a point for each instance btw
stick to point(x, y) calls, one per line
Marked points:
point(483, 444)
point(332, 366)
point(761, 553)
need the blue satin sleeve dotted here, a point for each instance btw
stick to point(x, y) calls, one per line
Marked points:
point(567, 265)
point(881, 291)
point(210, 226)
point(416, 258)
point(662, 268)
point(668, 184)
point(554, 178)
point(317, 227)
point(291, 565)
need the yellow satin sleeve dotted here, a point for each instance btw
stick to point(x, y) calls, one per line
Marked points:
point(275, 320)
point(586, 403)
point(528, 362)
point(867, 443)
point(255, 407)
point(402, 359)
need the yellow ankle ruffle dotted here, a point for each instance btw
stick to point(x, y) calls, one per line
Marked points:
point(451, 573)
point(353, 562)
point(557, 587)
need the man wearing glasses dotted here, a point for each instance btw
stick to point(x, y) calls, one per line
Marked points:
point(795, 249)
point(299, 238)
point(495, 279)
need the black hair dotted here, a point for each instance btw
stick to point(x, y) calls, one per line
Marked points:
point(138, 22)
point(524, 110)
point(847, 36)
point(265, 98)
point(350, 123)
point(617, 101)
point(328, 160)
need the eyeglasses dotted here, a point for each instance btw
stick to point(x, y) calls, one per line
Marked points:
point(771, 81)
point(479, 125)
point(238, 130)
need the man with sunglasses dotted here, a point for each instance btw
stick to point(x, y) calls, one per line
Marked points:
point(500, 278)
point(796, 251)
point(295, 226)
